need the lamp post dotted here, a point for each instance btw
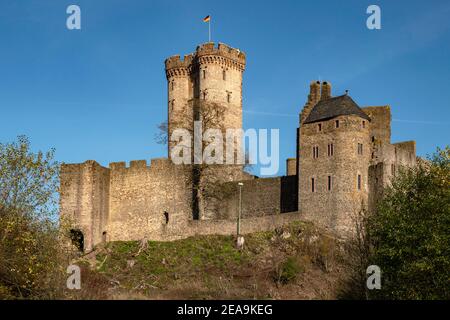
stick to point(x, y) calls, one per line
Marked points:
point(240, 239)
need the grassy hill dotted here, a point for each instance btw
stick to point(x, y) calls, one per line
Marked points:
point(297, 261)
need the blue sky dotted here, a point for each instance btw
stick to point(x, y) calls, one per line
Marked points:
point(98, 93)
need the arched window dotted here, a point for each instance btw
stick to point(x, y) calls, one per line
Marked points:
point(360, 148)
point(224, 75)
point(204, 74)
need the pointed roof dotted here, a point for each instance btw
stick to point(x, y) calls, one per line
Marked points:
point(333, 107)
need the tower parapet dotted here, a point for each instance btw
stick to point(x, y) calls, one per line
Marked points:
point(222, 54)
point(175, 66)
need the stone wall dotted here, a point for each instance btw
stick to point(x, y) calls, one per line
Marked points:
point(119, 202)
point(84, 199)
point(260, 197)
point(141, 196)
point(334, 208)
point(291, 167)
point(248, 224)
point(380, 124)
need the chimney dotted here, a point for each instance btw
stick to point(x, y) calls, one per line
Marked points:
point(326, 91)
point(314, 92)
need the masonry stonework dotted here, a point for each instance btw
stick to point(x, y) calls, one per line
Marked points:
point(344, 159)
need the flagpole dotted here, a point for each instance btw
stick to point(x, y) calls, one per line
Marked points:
point(209, 30)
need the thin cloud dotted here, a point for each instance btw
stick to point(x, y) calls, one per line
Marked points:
point(421, 122)
point(275, 114)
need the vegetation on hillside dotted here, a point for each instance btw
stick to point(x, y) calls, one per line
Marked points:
point(408, 236)
point(30, 248)
point(296, 261)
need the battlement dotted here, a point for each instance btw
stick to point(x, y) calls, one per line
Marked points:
point(155, 164)
point(221, 50)
point(175, 62)
point(205, 53)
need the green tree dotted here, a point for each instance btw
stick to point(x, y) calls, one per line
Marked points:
point(410, 232)
point(31, 253)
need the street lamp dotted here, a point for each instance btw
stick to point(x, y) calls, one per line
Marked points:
point(240, 239)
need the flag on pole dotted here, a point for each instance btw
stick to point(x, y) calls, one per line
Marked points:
point(208, 19)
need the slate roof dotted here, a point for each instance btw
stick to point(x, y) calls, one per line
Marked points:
point(333, 107)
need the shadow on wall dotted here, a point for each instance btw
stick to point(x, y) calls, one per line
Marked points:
point(77, 238)
point(289, 194)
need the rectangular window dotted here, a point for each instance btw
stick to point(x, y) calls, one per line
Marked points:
point(204, 74)
point(330, 149)
point(360, 148)
point(329, 183)
point(315, 152)
point(359, 182)
point(319, 127)
point(363, 124)
point(224, 75)
point(313, 187)
point(337, 123)
point(228, 97)
point(393, 169)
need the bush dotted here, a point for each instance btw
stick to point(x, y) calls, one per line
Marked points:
point(33, 260)
point(289, 270)
point(410, 233)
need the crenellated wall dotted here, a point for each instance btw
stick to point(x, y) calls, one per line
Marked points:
point(123, 203)
point(140, 195)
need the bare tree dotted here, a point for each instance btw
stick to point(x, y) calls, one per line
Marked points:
point(206, 179)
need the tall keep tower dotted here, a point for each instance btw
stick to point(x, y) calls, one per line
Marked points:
point(211, 74)
point(207, 84)
point(334, 158)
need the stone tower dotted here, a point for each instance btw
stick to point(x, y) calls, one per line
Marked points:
point(204, 82)
point(334, 157)
point(210, 74)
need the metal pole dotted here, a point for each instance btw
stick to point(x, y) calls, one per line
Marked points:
point(240, 184)
point(209, 30)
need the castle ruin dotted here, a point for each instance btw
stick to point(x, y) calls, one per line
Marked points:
point(344, 159)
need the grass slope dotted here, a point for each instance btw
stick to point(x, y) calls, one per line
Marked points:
point(294, 262)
